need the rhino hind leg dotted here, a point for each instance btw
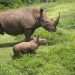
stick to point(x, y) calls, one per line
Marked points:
point(1, 30)
point(16, 54)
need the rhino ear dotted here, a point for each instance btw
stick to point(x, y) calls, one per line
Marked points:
point(41, 11)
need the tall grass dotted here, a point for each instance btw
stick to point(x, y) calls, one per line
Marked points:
point(55, 58)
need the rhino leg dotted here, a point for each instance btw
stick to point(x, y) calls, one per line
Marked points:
point(1, 30)
point(28, 34)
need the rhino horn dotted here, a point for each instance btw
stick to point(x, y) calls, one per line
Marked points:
point(57, 20)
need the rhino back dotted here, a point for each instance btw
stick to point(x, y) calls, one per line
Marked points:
point(16, 21)
point(26, 45)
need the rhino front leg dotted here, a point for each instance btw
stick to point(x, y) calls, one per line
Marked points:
point(28, 37)
point(28, 34)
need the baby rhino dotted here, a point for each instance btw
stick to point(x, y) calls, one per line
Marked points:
point(26, 47)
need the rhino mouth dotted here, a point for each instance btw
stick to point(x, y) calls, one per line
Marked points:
point(50, 29)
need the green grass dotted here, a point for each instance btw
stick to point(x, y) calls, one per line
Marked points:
point(55, 58)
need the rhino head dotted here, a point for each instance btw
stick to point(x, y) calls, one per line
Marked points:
point(49, 25)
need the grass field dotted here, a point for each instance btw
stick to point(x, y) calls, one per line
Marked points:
point(55, 58)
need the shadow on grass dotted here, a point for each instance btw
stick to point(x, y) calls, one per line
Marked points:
point(10, 44)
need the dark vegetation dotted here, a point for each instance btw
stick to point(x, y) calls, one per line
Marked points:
point(19, 3)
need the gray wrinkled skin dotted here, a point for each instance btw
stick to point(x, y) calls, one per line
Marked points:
point(25, 21)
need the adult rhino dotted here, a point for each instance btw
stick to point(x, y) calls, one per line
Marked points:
point(25, 21)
